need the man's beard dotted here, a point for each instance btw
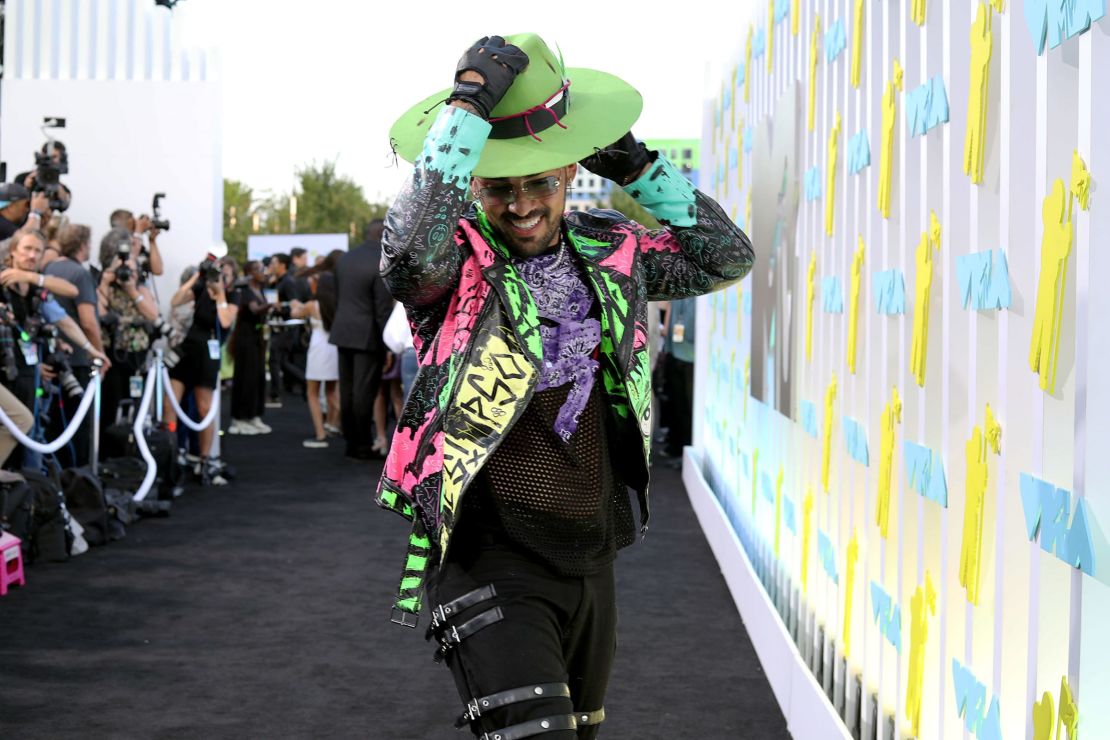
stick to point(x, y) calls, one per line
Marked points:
point(528, 247)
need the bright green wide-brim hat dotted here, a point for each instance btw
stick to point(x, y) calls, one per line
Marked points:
point(600, 108)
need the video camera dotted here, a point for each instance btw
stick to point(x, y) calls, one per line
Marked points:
point(50, 164)
point(156, 220)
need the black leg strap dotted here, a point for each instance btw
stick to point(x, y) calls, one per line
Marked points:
point(443, 612)
point(450, 636)
point(595, 717)
point(532, 727)
point(475, 707)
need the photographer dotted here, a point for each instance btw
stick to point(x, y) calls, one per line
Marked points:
point(50, 163)
point(199, 366)
point(129, 314)
point(26, 340)
point(73, 248)
point(149, 257)
point(248, 389)
point(18, 206)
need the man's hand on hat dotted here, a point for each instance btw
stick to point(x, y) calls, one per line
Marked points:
point(485, 72)
point(623, 161)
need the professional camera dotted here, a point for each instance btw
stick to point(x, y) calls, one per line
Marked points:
point(50, 164)
point(7, 352)
point(210, 270)
point(156, 221)
point(123, 272)
point(58, 360)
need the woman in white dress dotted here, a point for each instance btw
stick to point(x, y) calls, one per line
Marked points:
point(323, 358)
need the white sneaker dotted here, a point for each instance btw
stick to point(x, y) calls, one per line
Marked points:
point(315, 444)
point(242, 427)
point(260, 425)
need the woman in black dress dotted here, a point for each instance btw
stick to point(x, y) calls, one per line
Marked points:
point(248, 389)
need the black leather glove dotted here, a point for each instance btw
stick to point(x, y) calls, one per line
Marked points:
point(498, 63)
point(621, 161)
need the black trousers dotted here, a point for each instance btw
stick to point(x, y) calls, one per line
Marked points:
point(284, 372)
point(556, 636)
point(76, 453)
point(248, 388)
point(360, 374)
point(679, 379)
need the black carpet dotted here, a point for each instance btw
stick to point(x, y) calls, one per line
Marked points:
point(261, 610)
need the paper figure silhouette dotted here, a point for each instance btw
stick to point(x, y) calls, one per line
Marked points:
point(830, 200)
point(892, 414)
point(813, 56)
point(886, 152)
point(857, 43)
point(1056, 246)
point(982, 42)
point(922, 604)
point(917, 13)
point(807, 536)
point(982, 439)
point(811, 284)
point(853, 306)
point(830, 398)
point(748, 66)
point(930, 242)
point(849, 592)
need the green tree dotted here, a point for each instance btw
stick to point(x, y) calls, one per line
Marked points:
point(329, 203)
point(239, 210)
point(622, 201)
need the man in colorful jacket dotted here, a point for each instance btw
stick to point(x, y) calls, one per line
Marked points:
point(529, 420)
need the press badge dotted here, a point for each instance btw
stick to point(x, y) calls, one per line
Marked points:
point(30, 352)
point(213, 349)
point(678, 335)
point(136, 386)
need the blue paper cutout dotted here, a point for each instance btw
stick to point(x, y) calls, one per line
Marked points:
point(782, 10)
point(813, 184)
point(855, 439)
point(836, 40)
point(1058, 20)
point(927, 106)
point(768, 488)
point(788, 515)
point(809, 418)
point(925, 473)
point(832, 299)
point(859, 152)
point(826, 555)
point(749, 138)
point(759, 44)
point(1048, 510)
point(887, 615)
point(890, 292)
point(971, 704)
point(733, 157)
point(748, 302)
point(984, 279)
point(741, 71)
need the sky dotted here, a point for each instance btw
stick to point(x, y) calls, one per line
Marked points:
point(311, 81)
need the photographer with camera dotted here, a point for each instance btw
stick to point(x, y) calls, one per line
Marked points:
point(30, 322)
point(73, 248)
point(51, 162)
point(248, 388)
point(129, 315)
point(18, 206)
point(148, 257)
point(199, 366)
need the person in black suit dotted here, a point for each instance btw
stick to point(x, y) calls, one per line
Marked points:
point(363, 308)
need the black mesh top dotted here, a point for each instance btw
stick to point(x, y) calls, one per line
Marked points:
point(561, 501)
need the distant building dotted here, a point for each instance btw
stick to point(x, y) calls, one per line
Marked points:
point(590, 191)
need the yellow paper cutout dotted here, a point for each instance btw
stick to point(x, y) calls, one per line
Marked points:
point(813, 56)
point(748, 71)
point(886, 151)
point(795, 12)
point(892, 414)
point(748, 212)
point(849, 590)
point(778, 509)
point(740, 161)
point(830, 189)
point(857, 44)
point(971, 547)
point(922, 604)
point(917, 13)
point(807, 535)
point(770, 34)
point(1080, 180)
point(1045, 715)
point(853, 306)
point(1055, 247)
point(732, 97)
point(930, 242)
point(830, 397)
point(982, 41)
point(811, 294)
point(755, 477)
point(998, 5)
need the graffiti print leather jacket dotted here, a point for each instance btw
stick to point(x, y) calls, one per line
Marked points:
point(477, 333)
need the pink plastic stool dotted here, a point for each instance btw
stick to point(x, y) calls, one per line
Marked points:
point(11, 562)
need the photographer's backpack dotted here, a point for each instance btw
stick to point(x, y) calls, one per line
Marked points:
point(51, 538)
point(17, 508)
point(85, 501)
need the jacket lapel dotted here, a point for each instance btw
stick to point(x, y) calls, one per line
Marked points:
point(603, 260)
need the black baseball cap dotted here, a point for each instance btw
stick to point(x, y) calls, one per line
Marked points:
point(10, 192)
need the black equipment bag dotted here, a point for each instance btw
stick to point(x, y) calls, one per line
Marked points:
point(122, 477)
point(17, 508)
point(118, 442)
point(50, 536)
point(85, 502)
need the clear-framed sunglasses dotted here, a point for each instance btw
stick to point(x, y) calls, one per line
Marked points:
point(506, 194)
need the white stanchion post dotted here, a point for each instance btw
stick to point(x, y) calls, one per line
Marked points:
point(94, 456)
point(159, 387)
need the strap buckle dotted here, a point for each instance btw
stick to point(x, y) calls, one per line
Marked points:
point(404, 618)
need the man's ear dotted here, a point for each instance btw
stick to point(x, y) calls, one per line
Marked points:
point(572, 170)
